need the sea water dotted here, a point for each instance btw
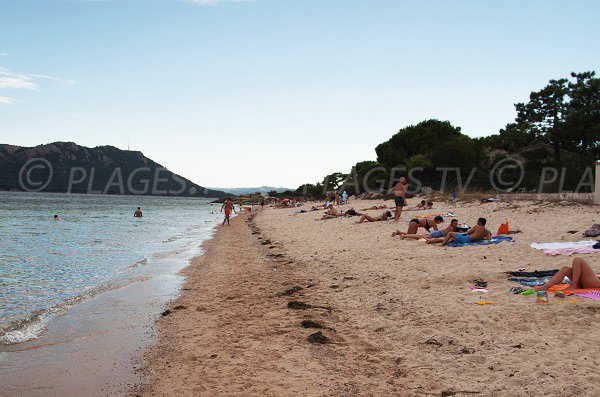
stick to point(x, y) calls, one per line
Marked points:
point(48, 266)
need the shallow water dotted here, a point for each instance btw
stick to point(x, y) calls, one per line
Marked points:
point(47, 267)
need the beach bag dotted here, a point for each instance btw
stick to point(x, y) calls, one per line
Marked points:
point(503, 229)
point(594, 231)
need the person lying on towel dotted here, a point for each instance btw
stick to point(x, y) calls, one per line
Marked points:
point(580, 273)
point(434, 234)
point(474, 234)
point(368, 218)
point(425, 223)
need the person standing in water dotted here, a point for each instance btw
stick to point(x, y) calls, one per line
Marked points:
point(227, 206)
point(400, 193)
point(56, 218)
point(138, 213)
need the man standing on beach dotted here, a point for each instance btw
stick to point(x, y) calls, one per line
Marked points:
point(400, 193)
point(227, 206)
point(138, 213)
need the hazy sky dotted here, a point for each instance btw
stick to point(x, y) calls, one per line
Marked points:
point(275, 92)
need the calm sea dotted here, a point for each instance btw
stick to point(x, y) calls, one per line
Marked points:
point(47, 266)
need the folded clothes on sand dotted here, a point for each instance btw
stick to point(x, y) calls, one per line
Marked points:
point(494, 240)
point(594, 231)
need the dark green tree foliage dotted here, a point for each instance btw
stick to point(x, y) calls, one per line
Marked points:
point(583, 112)
point(415, 140)
point(555, 134)
point(545, 114)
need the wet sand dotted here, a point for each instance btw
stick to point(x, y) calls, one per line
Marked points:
point(398, 317)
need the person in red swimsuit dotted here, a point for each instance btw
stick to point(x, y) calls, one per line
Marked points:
point(228, 207)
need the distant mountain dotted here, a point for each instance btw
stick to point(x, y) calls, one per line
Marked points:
point(67, 167)
point(247, 190)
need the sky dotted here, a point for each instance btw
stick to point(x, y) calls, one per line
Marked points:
point(234, 93)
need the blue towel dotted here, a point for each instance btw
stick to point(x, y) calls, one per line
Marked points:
point(494, 240)
point(530, 281)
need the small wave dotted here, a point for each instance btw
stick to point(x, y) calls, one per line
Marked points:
point(171, 239)
point(137, 264)
point(29, 329)
point(32, 327)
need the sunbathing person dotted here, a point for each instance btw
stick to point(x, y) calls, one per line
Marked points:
point(375, 207)
point(368, 218)
point(580, 274)
point(351, 212)
point(415, 224)
point(474, 234)
point(331, 213)
point(428, 206)
point(418, 206)
point(436, 234)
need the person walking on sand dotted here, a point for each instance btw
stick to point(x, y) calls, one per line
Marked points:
point(400, 193)
point(138, 213)
point(227, 206)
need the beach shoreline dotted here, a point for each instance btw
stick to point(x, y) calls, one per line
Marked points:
point(91, 345)
point(398, 317)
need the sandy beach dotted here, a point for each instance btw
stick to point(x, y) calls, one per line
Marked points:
point(398, 317)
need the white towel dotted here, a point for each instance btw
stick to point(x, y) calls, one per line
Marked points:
point(568, 245)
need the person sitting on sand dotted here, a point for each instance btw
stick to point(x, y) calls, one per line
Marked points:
point(474, 234)
point(415, 224)
point(368, 218)
point(331, 213)
point(580, 273)
point(435, 234)
point(138, 213)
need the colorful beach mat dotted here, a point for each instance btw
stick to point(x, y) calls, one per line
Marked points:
point(578, 292)
point(494, 240)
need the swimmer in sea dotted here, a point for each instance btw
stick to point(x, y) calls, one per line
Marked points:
point(138, 213)
point(56, 218)
point(227, 206)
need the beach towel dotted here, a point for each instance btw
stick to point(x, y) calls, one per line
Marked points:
point(570, 244)
point(530, 281)
point(597, 246)
point(561, 287)
point(537, 273)
point(494, 240)
point(589, 294)
point(571, 251)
